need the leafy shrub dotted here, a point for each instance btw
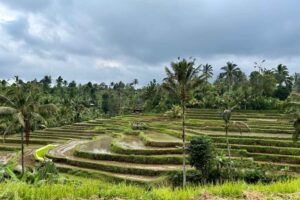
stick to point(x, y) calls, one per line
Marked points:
point(254, 176)
point(46, 172)
point(202, 154)
point(192, 176)
point(175, 112)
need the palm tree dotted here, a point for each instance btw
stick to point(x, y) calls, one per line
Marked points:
point(135, 81)
point(22, 103)
point(182, 78)
point(227, 120)
point(282, 75)
point(231, 71)
point(59, 82)
point(207, 72)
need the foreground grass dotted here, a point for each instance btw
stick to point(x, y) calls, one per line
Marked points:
point(82, 188)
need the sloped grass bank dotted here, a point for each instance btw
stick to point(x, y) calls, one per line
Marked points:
point(41, 152)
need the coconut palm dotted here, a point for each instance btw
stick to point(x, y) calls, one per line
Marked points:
point(22, 103)
point(231, 72)
point(182, 78)
point(207, 72)
point(282, 75)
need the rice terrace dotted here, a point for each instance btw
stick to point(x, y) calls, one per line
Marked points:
point(98, 105)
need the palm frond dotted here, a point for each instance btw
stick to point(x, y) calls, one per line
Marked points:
point(20, 118)
point(6, 101)
point(240, 125)
point(8, 130)
point(48, 108)
point(38, 117)
point(7, 110)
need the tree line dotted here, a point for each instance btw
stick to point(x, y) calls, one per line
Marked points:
point(264, 88)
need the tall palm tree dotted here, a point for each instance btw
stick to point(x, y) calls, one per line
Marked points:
point(207, 72)
point(231, 71)
point(182, 78)
point(22, 103)
point(281, 74)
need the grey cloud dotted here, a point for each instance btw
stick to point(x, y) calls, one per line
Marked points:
point(145, 35)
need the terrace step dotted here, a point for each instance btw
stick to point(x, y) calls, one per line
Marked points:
point(117, 148)
point(61, 130)
point(9, 147)
point(16, 140)
point(260, 142)
point(116, 167)
point(64, 134)
point(149, 159)
point(292, 167)
point(262, 149)
point(57, 136)
point(253, 135)
point(157, 139)
point(277, 158)
point(90, 173)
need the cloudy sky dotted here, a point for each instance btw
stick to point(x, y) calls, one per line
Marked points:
point(112, 40)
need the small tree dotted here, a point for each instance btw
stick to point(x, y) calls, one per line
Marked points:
point(202, 155)
point(227, 120)
point(23, 104)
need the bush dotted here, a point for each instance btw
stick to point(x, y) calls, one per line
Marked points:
point(192, 176)
point(202, 154)
point(175, 112)
point(46, 172)
point(254, 176)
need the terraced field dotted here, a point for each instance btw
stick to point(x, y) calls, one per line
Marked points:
point(110, 149)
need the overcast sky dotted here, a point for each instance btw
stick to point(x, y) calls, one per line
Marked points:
point(112, 40)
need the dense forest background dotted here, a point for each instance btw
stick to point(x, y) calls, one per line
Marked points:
point(262, 89)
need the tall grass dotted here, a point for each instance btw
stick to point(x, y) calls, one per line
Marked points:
point(85, 188)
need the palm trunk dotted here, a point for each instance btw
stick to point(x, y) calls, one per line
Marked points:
point(22, 151)
point(183, 146)
point(228, 148)
point(120, 99)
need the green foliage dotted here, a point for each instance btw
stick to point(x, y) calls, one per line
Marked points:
point(152, 159)
point(46, 172)
point(174, 112)
point(86, 188)
point(201, 154)
point(41, 152)
point(254, 176)
point(7, 173)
